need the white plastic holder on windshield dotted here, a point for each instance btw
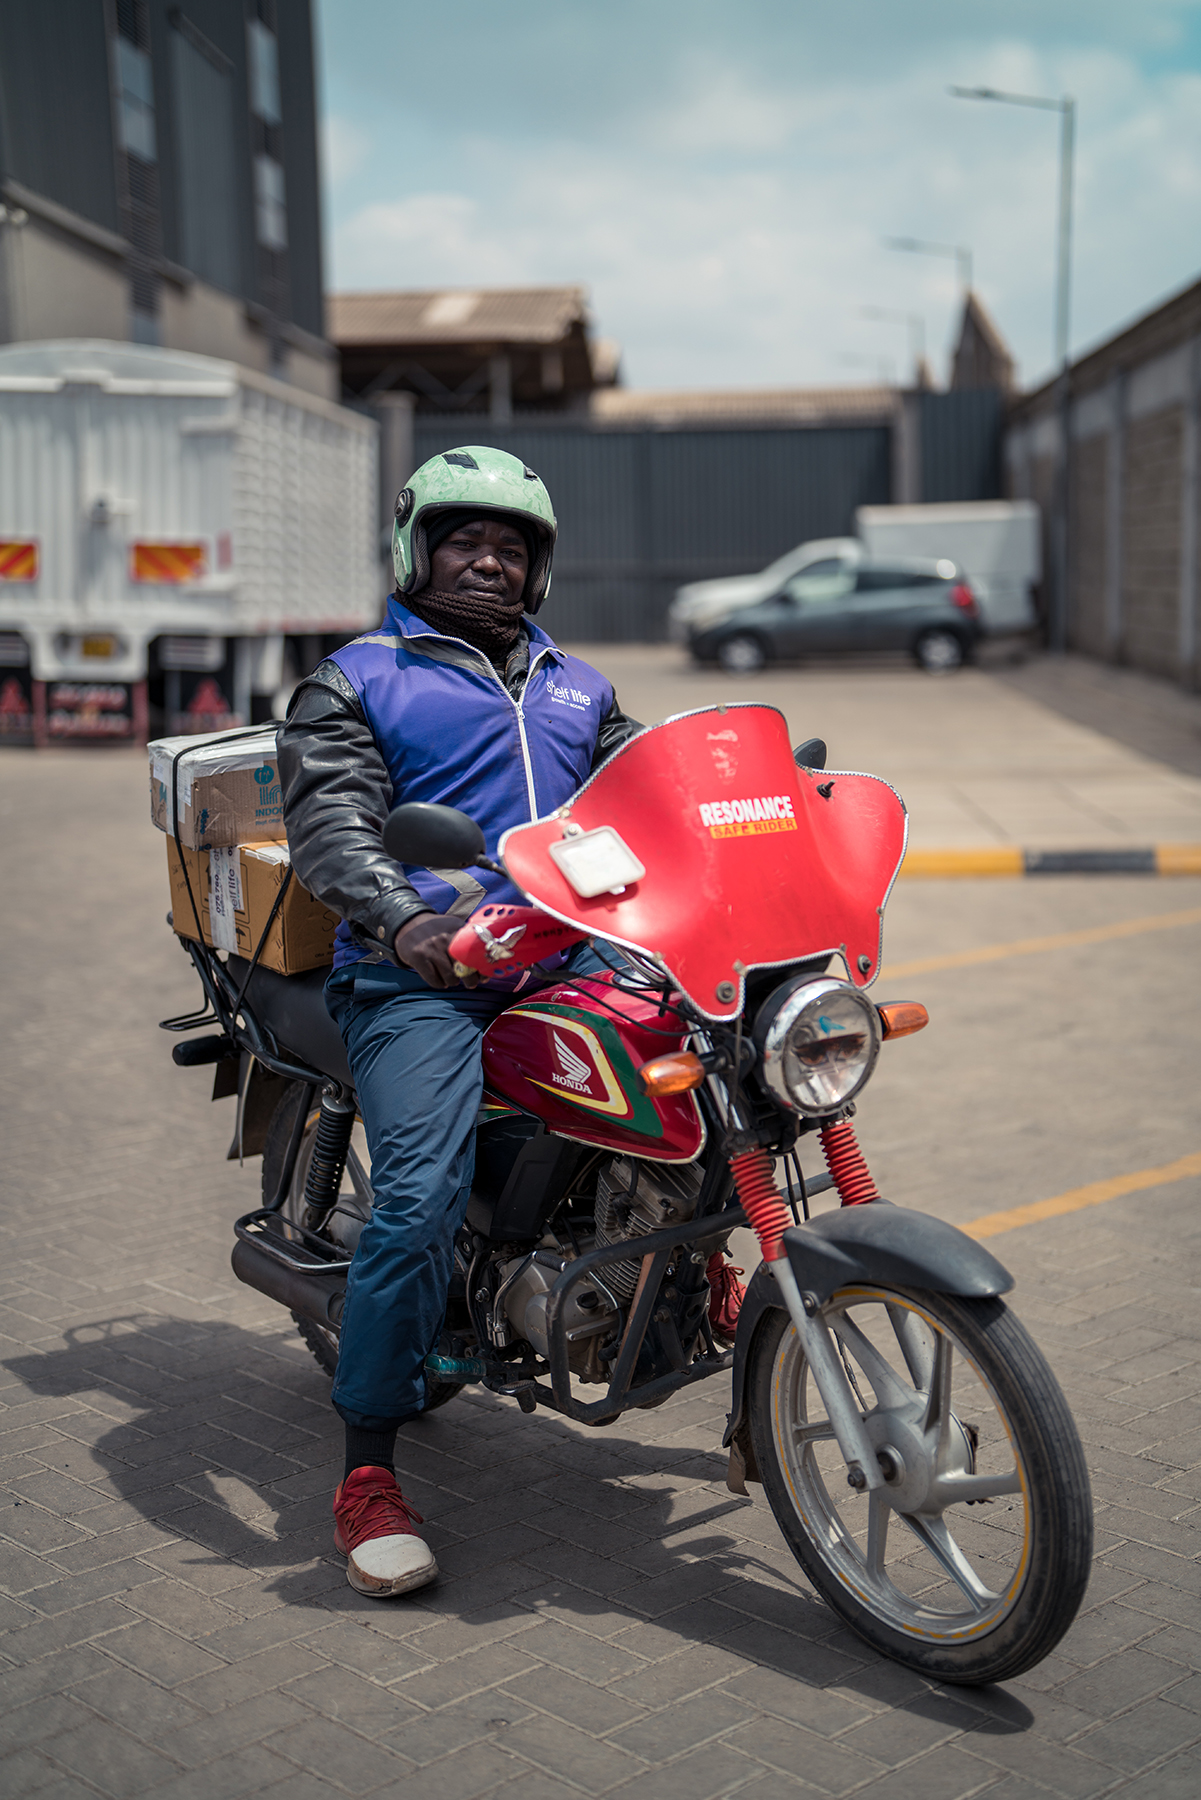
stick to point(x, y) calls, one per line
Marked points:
point(596, 862)
point(832, 1381)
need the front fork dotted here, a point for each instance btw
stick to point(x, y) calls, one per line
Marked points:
point(754, 1179)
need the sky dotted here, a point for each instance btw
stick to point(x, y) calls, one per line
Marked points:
point(722, 175)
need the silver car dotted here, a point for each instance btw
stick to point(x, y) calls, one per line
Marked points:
point(844, 603)
point(705, 602)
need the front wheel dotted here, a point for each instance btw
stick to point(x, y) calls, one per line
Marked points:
point(743, 654)
point(970, 1562)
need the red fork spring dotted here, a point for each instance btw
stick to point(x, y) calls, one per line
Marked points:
point(754, 1177)
point(844, 1159)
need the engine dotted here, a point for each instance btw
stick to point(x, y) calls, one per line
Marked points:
point(632, 1198)
point(590, 1312)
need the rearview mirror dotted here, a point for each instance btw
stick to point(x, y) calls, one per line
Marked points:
point(433, 837)
point(810, 755)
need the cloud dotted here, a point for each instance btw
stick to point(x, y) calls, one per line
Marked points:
point(430, 240)
point(718, 108)
point(730, 220)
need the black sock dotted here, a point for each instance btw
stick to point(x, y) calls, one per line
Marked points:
point(370, 1449)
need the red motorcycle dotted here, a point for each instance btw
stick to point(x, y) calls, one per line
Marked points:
point(911, 1440)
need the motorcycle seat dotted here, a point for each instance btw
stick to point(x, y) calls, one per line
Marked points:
point(292, 1007)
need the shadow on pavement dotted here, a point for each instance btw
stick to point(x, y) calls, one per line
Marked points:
point(226, 1439)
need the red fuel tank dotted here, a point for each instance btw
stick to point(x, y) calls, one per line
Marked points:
point(566, 1058)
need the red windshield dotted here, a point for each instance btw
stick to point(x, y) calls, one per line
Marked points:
point(750, 862)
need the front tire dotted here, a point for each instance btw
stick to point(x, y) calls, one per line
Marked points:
point(743, 654)
point(970, 1563)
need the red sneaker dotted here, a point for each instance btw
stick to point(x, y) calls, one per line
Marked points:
point(374, 1530)
point(726, 1293)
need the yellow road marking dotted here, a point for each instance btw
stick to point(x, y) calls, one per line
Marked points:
point(1178, 859)
point(1010, 860)
point(1063, 940)
point(1095, 1194)
point(999, 859)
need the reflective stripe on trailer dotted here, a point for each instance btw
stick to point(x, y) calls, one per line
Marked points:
point(18, 559)
point(168, 562)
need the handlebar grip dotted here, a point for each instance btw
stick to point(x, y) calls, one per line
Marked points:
point(469, 953)
point(504, 937)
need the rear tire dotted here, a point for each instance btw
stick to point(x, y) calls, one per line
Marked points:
point(939, 651)
point(353, 1209)
point(743, 654)
point(961, 1590)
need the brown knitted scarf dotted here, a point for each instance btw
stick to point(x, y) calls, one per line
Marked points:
point(491, 625)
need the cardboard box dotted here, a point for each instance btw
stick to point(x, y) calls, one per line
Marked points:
point(235, 888)
point(228, 786)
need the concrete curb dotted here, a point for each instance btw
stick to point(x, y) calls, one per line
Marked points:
point(1009, 860)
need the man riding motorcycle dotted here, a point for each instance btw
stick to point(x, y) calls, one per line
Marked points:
point(459, 698)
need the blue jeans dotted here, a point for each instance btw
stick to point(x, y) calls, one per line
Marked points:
point(415, 1053)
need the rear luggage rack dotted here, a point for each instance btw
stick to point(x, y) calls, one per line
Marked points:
point(302, 1251)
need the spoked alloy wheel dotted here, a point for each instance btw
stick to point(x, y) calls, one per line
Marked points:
point(743, 654)
point(345, 1223)
point(970, 1562)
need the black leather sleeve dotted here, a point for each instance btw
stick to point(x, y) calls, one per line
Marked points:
point(337, 796)
point(615, 729)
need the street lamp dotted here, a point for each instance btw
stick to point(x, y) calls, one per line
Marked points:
point(886, 373)
point(923, 247)
point(917, 330)
point(1065, 106)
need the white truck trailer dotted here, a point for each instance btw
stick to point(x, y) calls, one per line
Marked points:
point(180, 538)
point(994, 542)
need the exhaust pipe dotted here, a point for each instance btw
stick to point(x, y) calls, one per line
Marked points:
point(316, 1297)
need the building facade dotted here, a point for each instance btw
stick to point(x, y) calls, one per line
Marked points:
point(158, 180)
point(1133, 484)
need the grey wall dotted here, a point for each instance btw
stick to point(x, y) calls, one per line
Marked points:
point(961, 444)
point(1134, 490)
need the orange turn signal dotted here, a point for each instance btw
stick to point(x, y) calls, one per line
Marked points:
point(673, 1074)
point(901, 1018)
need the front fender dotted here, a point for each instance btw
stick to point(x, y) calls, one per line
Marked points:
point(761, 1295)
point(876, 1242)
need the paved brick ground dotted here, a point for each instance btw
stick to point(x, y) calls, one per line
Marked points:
point(611, 1620)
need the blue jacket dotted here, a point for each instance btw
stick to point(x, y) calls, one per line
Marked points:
point(448, 730)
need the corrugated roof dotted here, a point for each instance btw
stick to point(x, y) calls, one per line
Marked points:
point(802, 406)
point(536, 315)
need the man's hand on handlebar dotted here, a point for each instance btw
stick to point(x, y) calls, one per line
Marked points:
point(421, 945)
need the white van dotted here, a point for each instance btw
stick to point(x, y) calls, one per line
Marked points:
point(996, 543)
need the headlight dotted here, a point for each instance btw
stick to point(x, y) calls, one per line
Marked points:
point(818, 1040)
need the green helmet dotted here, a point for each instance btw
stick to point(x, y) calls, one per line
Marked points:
point(487, 481)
